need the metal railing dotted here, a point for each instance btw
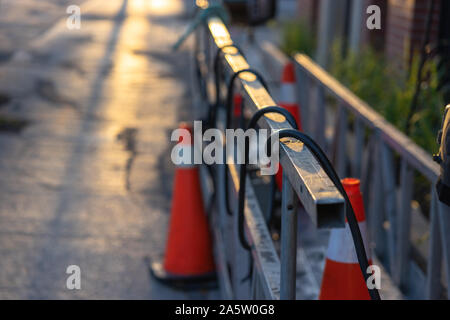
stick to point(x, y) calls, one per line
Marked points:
point(363, 144)
point(303, 177)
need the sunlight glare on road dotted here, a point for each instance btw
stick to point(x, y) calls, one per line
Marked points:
point(129, 71)
point(163, 7)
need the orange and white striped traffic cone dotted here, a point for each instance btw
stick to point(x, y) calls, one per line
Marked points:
point(289, 102)
point(188, 261)
point(342, 278)
point(287, 97)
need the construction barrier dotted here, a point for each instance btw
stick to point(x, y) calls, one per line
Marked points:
point(247, 262)
point(361, 143)
point(258, 274)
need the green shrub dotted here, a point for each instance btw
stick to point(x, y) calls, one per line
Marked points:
point(379, 83)
point(297, 36)
point(390, 91)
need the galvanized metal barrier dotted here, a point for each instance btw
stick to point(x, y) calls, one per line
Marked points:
point(364, 145)
point(303, 178)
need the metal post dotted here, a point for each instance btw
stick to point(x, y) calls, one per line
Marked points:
point(390, 199)
point(444, 223)
point(404, 225)
point(303, 86)
point(341, 146)
point(327, 25)
point(320, 120)
point(376, 212)
point(288, 241)
point(359, 148)
point(433, 284)
point(356, 27)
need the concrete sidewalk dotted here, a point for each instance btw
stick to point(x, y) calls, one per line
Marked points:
point(88, 180)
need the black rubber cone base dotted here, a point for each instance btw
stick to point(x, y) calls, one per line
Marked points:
point(199, 282)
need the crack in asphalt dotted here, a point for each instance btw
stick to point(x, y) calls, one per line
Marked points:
point(128, 138)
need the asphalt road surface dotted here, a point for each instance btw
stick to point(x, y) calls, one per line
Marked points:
point(85, 171)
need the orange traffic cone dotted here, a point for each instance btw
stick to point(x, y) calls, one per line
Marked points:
point(237, 110)
point(342, 278)
point(237, 101)
point(289, 102)
point(287, 98)
point(188, 262)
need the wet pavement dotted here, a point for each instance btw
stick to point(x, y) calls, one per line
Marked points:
point(87, 180)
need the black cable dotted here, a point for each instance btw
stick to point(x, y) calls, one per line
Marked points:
point(230, 92)
point(243, 168)
point(198, 72)
point(216, 65)
point(243, 176)
point(229, 102)
point(211, 117)
point(350, 214)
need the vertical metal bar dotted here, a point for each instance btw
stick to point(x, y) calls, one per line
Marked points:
point(334, 148)
point(241, 257)
point(357, 14)
point(327, 19)
point(319, 116)
point(444, 223)
point(404, 224)
point(254, 286)
point(359, 148)
point(341, 152)
point(376, 212)
point(367, 169)
point(207, 50)
point(433, 284)
point(390, 200)
point(288, 241)
point(304, 85)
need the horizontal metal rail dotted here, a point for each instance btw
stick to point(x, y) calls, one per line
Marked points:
point(316, 191)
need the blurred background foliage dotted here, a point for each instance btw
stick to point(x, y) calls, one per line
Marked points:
point(297, 36)
point(386, 87)
point(390, 90)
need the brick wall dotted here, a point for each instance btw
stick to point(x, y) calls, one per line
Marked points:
point(308, 10)
point(419, 26)
point(405, 27)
